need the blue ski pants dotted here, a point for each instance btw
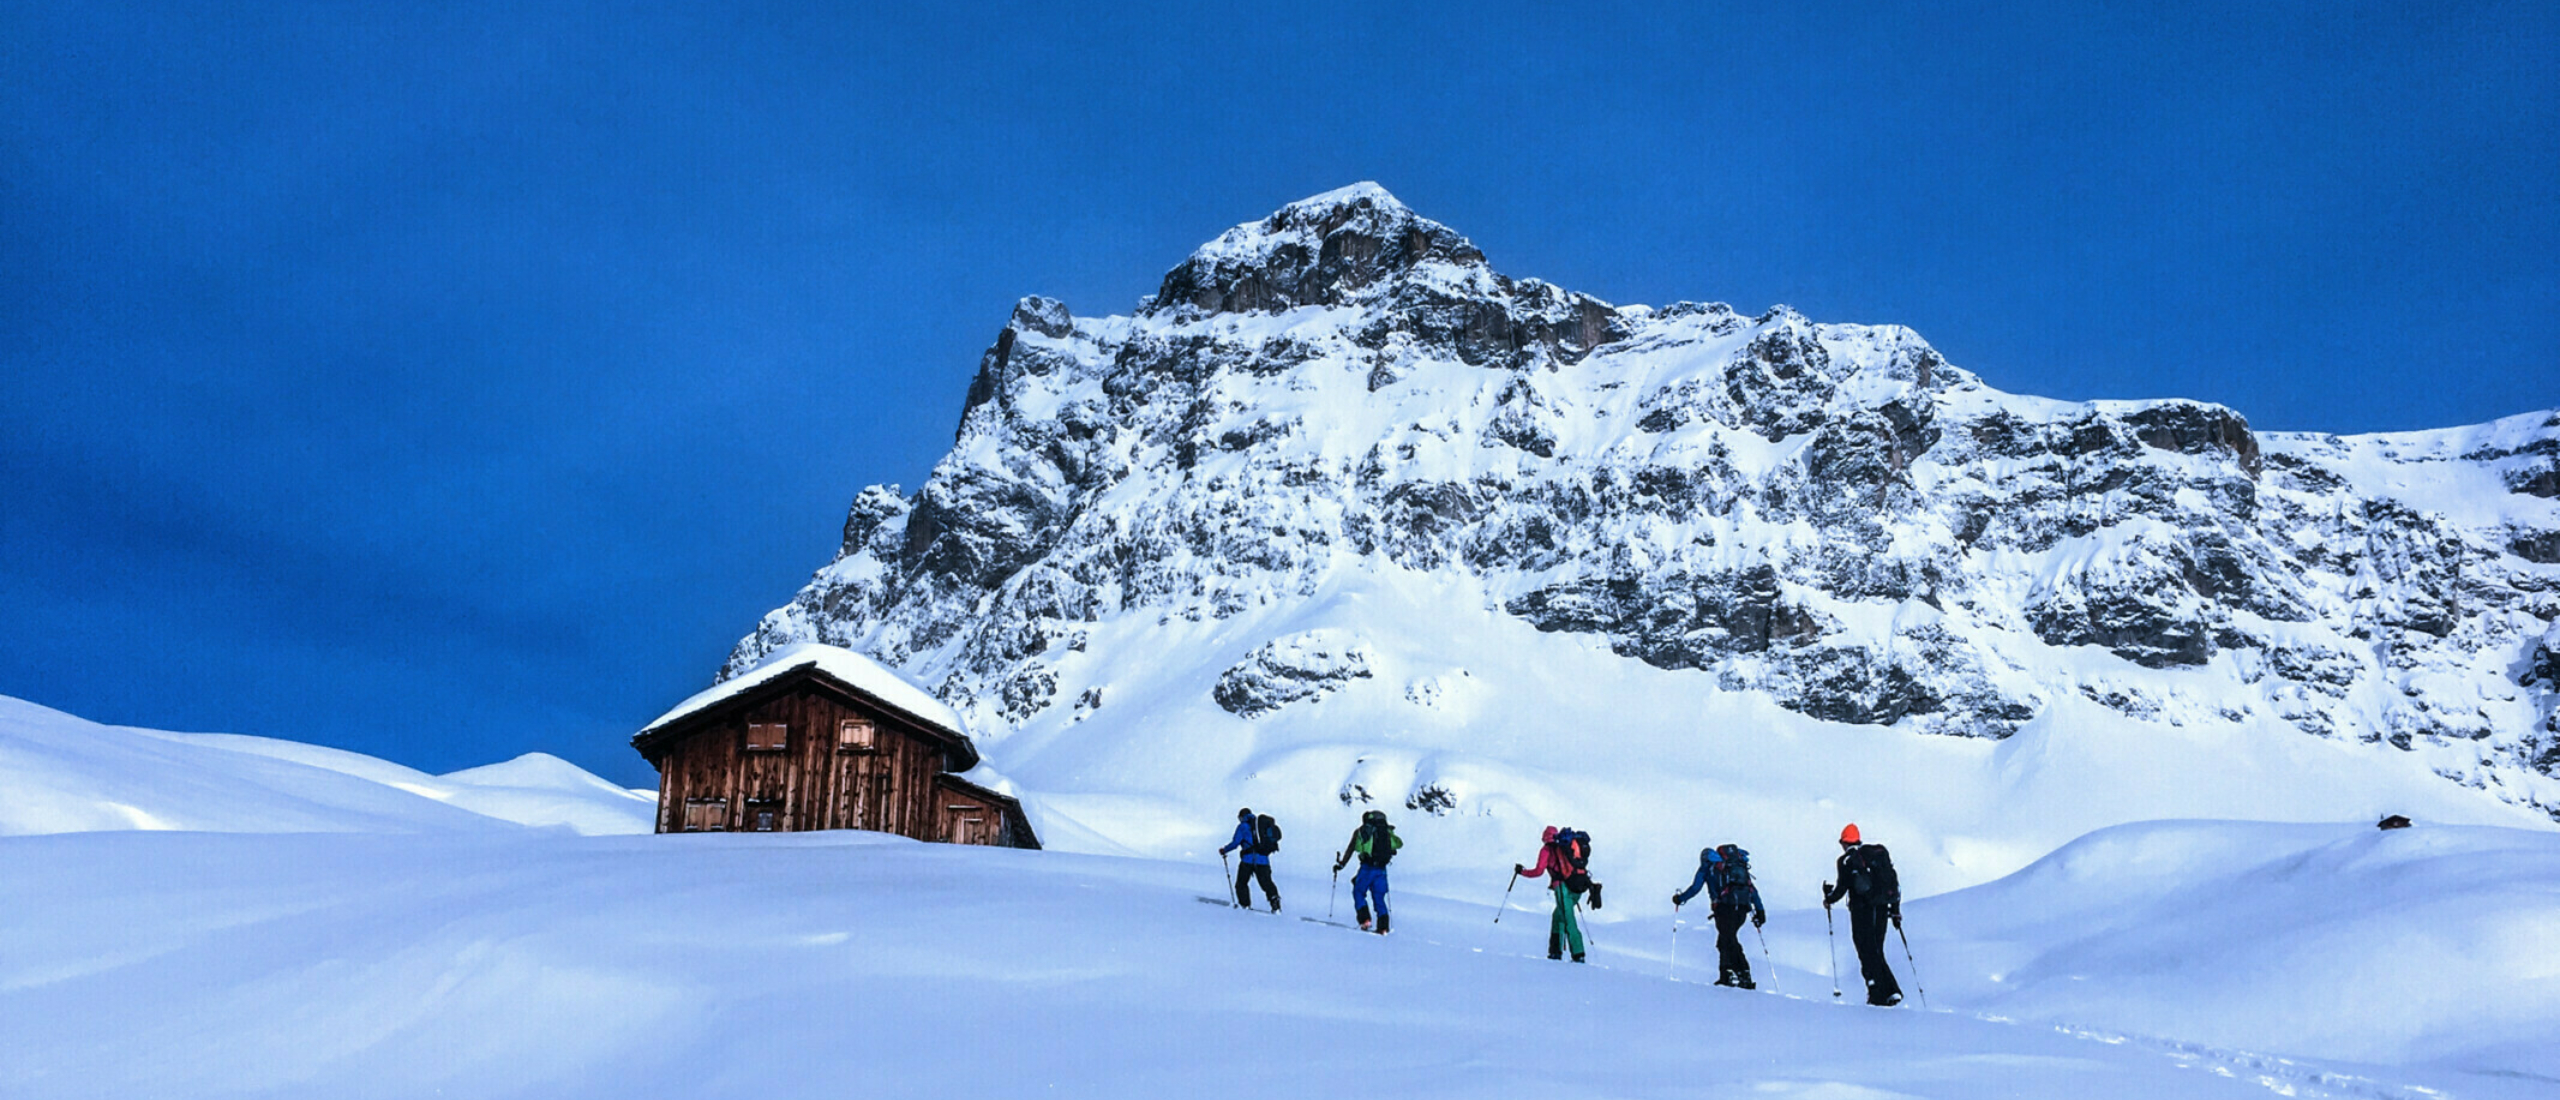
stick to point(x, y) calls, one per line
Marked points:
point(1369, 891)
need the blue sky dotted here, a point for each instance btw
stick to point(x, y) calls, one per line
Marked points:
point(450, 381)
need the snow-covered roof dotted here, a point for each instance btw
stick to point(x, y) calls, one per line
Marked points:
point(862, 673)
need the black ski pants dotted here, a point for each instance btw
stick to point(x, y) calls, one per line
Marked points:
point(1245, 874)
point(1867, 924)
point(1732, 966)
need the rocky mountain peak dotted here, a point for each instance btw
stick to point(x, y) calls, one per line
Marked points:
point(1328, 249)
point(1323, 409)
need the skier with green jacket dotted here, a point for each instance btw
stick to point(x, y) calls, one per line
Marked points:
point(1373, 843)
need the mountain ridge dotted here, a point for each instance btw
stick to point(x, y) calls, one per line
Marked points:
point(1833, 517)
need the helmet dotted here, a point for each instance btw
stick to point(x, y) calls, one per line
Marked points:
point(1850, 834)
point(1374, 817)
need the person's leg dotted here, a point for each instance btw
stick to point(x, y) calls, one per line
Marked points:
point(1866, 930)
point(1733, 967)
point(1378, 895)
point(1244, 885)
point(1360, 886)
point(1572, 927)
point(1269, 889)
point(1555, 930)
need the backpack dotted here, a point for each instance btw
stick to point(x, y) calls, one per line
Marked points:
point(1731, 880)
point(1266, 836)
point(1377, 844)
point(1573, 859)
point(1867, 872)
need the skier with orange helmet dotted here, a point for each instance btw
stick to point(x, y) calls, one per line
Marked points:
point(1874, 894)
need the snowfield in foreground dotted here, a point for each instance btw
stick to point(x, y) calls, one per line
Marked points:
point(2150, 961)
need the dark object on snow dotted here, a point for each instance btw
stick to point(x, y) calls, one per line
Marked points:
point(2394, 821)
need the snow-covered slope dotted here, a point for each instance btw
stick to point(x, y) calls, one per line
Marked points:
point(848, 964)
point(63, 774)
point(1341, 516)
point(2406, 946)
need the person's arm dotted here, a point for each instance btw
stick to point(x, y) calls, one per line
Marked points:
point(1244, 836)
point(1695, 885)
point(1349, 848)
point(1831, 891)
point(1545, 856)
point(1892, 884)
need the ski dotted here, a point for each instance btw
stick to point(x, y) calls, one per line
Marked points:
point(1337, 924)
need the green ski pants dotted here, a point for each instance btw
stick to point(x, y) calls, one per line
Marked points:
point(1564, 929)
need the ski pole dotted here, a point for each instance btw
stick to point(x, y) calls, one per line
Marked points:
point(1337, 891)
point(1230, 876)
point(1916, 983)
point(1675, 944)
point(1773, 966)
point(1506, 897)
point(1834, 937)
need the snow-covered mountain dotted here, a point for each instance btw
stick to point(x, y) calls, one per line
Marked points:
point(63, 774)
point(1341, 515)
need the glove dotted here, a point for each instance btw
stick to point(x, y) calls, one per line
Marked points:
point(1759, 917)
point(1897, 918)
point(1337, 866)
point(1675, 903)
point(1595, 896)
point(1518, 869)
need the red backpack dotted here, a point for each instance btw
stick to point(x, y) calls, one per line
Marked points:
point(1573, 859)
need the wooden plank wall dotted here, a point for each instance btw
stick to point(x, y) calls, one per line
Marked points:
point(891, 790)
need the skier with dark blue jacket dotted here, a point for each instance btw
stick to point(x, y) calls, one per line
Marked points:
point(1725, 873)
point(1257, 838)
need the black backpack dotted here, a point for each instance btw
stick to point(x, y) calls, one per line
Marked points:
point(1266, 836)
point(1867, 873)
point(1733, 877)
point(1382, 844)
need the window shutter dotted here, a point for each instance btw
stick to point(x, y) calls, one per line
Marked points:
point(767, 736)
point(855, 735)
point(706, 815)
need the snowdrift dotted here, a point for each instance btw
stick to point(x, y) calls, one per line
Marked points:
point(63, 774)
point(2412, 946)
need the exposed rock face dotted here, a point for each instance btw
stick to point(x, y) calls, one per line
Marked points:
point(1830, 514)
point(1288, 670)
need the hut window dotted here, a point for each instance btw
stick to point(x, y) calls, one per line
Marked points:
point(855, 735)
point(764, 816)
point(706, 815)
point(767, 736)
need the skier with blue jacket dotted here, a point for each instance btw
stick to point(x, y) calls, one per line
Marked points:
point(1257, 838)
point(1724, 872)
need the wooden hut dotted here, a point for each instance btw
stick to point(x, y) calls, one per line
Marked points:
point(820, 737)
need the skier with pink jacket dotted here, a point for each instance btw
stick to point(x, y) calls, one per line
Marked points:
point(1564, 860)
